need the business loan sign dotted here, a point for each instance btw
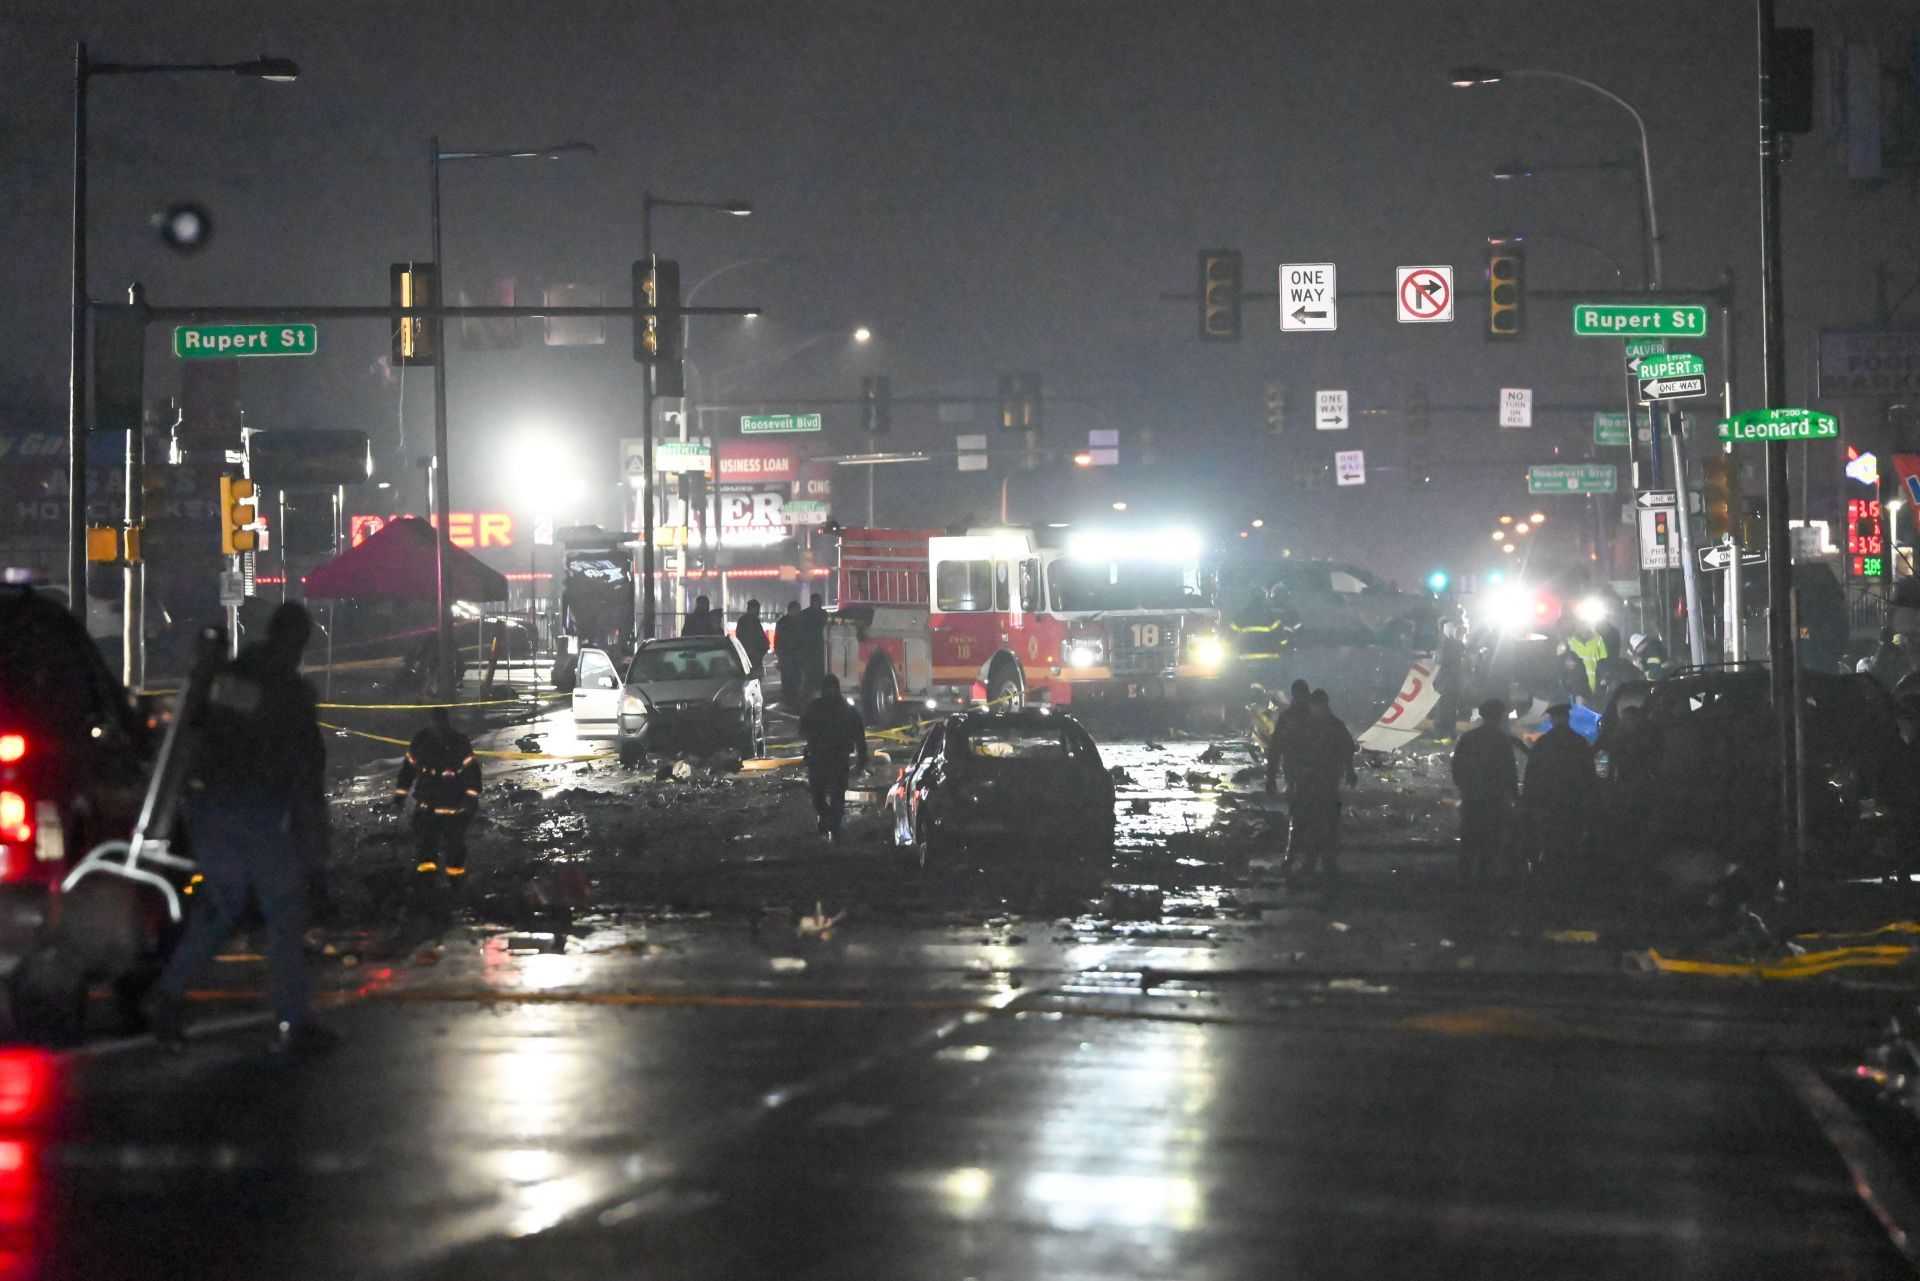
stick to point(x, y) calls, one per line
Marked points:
point(226, 342)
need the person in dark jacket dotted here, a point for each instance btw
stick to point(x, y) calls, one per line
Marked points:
point(1489, 781)
point(1319, 757)
point(258, 766)
point(833, 731)
point(784, 642)
point(810, 646)
point(1558, 793)
point(1289, 716)
point(442, 775)
point(751, 632)
point(704, 620)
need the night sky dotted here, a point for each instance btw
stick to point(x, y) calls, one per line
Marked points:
point(990, 186)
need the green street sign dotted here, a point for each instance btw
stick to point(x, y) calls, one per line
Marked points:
point(767, 424)
point(229, 342)
point(1607, 320)
point(1679, 365)
point(1780, 424)
point(1638, 347)
point(1609, 429)
point(1573, 478)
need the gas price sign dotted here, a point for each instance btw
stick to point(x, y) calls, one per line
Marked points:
point(1866, 538)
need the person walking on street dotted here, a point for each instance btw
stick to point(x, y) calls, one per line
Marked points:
point(257, 763)
point(1558, 794)
point(442, 775)
point(810, 641)
point(1283, 723)
point(704, 620)
point(752, 635)
point(833, 731)
point(785, 643)
point(1586, 649)
point(1489, 781)
point(1319, 757)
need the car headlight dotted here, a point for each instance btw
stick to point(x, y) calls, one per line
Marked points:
point(1083, 653)
point(731, 696)
point(634, 704)
point(1207, 652)
point(1591, 609)
point(1507, 609)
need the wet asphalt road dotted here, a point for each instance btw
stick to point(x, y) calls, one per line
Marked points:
point(1220, 1077)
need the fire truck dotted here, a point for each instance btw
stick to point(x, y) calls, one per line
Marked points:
point(1011, 616)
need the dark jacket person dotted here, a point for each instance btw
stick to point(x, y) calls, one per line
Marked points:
point(751, 632)
point(833, 731)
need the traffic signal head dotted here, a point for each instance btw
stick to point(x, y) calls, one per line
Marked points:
point(1220, 295)
point(410, 284)
point(1438, 581)
point(1020, 402)
point(656, 332)
point(239, 508)
point(876, 404)
point(1719, 480)
point(1506, 291)
point(1662, 529)
point(1277, 408)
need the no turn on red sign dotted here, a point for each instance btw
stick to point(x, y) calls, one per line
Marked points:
point(1423, 295)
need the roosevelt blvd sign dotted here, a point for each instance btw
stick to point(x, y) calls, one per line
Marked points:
point(1573, 478)
point(1672, 377)
point(769, 424)
point(1780, 424)
point(1605, 320)
point(226, 342)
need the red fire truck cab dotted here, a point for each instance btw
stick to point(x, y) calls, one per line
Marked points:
point(1001, 616)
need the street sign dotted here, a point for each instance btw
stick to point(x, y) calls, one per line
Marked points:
point(229, 342)
point(682, 455)
point(233, 587)
point(1648, 498)
point(1573, 478)
point(1674, 377)
point(1609, 429)
point(973, 452)
point(1423, 295)
point(1516, 406)
point(543, 531)
point(1719, 556)
point(1638, 347)
point(1780, 424)
point(1309, 300)
point(1330, 410)
point(1103, 445)
point(1659, 539)
point(766, 424)
point(1350, 467)
point(1656, 389)
point(1608, 320)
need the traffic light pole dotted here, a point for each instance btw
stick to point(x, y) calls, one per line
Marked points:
point(1689, 567)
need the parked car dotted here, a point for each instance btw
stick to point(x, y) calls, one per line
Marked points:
point(693, 689)
point(1716, 772)
point(1029, 779)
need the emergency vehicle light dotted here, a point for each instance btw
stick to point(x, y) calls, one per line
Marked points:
point(1176, 544)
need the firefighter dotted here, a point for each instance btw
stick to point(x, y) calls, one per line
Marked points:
point(833, 731)
point(443, 776)
point(1489, 782)
point(257, 766)
point(1319, 757)
point(1559, 790)
point(1649, 655)
point(751, 632)
point(1586, 649)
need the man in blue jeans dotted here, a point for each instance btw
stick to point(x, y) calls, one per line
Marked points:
point(258, 768)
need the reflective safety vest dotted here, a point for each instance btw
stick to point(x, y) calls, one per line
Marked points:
point(1591, 653)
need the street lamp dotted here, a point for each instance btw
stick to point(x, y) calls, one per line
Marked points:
point(278, 70)
point(648, 203)
point(1475, 77)
point(441, 503)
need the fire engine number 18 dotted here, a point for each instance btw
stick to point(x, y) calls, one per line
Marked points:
point(1146, 635)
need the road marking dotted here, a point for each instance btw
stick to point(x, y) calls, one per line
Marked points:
point(1875, 1177)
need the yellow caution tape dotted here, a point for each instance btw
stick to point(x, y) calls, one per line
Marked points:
point(1795, 967)
point(504, 756)
point(1892, 927)
point(423, 707)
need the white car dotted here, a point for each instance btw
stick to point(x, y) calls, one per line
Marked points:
point(696, 689)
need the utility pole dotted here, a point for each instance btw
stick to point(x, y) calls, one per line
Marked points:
point(1689, 568)
point(1780, 612)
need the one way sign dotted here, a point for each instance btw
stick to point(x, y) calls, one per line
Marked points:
point(1309, 301)
point(1330, 410)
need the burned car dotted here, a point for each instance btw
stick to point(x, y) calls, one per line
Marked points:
point(1029, 780)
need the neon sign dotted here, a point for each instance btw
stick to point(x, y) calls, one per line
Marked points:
point(466, 530)
point(1866, 538)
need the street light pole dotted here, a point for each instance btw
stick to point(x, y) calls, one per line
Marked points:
point(440, 501)
point(650, 521)
point(281, 70)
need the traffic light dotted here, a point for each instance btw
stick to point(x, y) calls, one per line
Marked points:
point(1277, 408)
point(876, 405)
point(1220, 295)
point(1719, 479)
point(1419, 436)
point(410, 284)
point(656, 333)
point(103, 544)
point(1020, 402)
point(239, 508)
point(1506, 291)
point(1662, 529)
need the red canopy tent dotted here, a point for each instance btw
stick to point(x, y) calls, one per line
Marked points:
point(398, 564)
